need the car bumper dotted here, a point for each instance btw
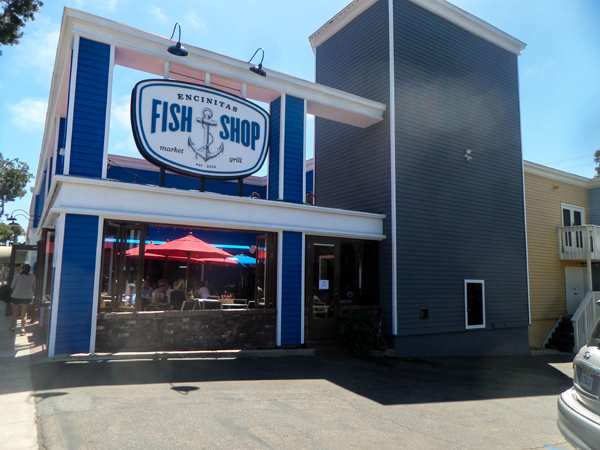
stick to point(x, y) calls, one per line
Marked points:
point(578, 425)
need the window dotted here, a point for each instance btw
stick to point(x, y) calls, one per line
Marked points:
point(572, 216)
point(474, 304)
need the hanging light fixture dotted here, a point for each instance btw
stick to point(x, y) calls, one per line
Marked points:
point(177, 49)
point(258, 69)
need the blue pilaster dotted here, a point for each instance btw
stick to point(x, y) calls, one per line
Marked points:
point(293, 162)
point(291, 288)
point(291, 124)
point(77, 285)
point(274, 150)
point(89, 113)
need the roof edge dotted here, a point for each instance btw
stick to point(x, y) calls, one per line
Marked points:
point(441, 8)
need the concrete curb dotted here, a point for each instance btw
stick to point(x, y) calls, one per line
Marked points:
point(209, 354)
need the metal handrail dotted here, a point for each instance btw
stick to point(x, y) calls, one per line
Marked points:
point(585, 318)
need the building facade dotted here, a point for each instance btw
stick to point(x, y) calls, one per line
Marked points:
point(418, 180)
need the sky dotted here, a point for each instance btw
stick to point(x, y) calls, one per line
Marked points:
point(558, 70)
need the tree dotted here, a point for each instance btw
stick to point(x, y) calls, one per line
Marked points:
point(597, 161)
point(14, 176)
point(13, 16)
point(9, 233)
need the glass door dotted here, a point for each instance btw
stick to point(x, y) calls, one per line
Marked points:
point(341, 275)
point(322, 287)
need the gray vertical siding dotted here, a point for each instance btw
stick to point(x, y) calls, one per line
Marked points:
point(594, 206)
point(457, 219)
point(353, 164)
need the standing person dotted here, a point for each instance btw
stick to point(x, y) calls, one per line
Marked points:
point(23, 287)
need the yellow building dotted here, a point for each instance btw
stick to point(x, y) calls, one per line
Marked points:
point(560, 242)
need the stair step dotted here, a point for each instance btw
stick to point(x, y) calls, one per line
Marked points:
point(560, 348)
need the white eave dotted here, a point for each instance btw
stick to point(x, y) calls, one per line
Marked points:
point(441, 8)
point(559, 175)
point(133, 202)
point(145, 51)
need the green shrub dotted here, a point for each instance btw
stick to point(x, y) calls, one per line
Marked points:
point(360, 333)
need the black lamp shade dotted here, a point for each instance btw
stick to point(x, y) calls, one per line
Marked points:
point(258, 70)
point(177, 50)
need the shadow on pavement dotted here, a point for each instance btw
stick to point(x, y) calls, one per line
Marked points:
point(385, 381)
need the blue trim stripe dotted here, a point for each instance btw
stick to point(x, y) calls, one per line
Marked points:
point(89, 112)
point(76, 301)
point(291, 287)
point(275, 113)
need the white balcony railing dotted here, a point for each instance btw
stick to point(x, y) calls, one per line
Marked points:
point(579, 243)
point(585, 318)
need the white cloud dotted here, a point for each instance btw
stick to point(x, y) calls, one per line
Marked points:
point(104, 5)
point(124, 147)
point(42, 43)
point(192, 18)
point(158, 14)
point(30, 114)
point(540, 70)
point(119, 113)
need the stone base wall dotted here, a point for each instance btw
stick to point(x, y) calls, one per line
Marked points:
point(147, 331)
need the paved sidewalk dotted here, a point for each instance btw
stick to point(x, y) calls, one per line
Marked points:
point(18, 429)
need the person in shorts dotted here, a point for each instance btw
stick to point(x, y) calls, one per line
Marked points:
point(23, 289)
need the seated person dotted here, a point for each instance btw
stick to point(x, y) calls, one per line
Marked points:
point(128, 298)
point(178, 294)
point(162, 294)
point(146, 288)
point(201, 291)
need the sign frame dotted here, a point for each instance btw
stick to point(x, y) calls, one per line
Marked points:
point(151, 154)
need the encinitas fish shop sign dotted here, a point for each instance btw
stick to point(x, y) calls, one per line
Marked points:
point(197, 130)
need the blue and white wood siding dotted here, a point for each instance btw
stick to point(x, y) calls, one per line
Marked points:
point(293, 155)
point(77, 285)
point(40, 199)
point(90, 106)
point(287, 162)
point(275, 115)
point(291, 288)
point(62, 143)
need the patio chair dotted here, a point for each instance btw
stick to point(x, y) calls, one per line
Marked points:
point(189, 305)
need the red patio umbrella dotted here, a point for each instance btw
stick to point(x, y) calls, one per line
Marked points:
point(192, 248)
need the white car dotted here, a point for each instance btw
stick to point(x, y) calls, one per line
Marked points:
point(579, 407)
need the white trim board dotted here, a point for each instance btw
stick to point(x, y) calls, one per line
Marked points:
point(393, 169)
point(137, 202)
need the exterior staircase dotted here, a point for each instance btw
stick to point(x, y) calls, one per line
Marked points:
point(563, 337)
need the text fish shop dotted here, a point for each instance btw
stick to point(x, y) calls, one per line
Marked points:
point(188, 248)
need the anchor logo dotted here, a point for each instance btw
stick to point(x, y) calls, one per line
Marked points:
point(204, 151)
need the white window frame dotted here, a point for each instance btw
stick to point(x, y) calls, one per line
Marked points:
point(473, 327)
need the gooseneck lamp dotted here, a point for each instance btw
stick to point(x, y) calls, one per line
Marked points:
point(177, 49)
point(258, 69)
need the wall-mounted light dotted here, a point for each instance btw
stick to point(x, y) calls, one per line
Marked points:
point(177, 49)
point(468, 156)
point(258, 69)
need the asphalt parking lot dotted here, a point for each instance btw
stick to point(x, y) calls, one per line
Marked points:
point(302, 402)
